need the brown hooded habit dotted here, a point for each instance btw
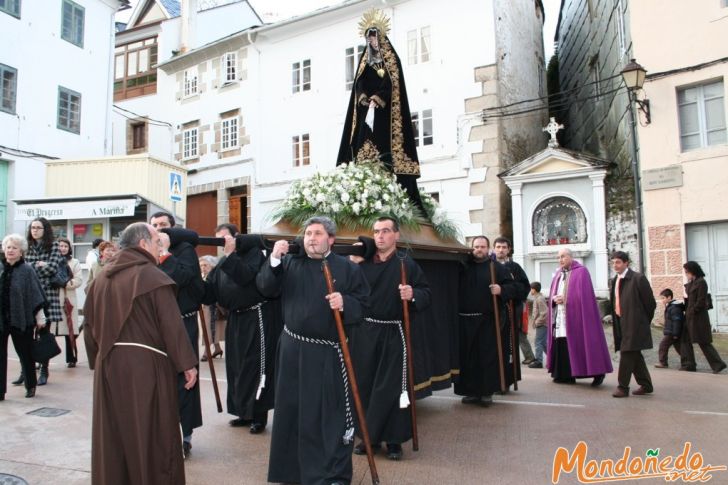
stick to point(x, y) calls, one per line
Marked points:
point(136, 437)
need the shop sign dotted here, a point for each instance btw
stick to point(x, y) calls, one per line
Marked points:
point(87, 209)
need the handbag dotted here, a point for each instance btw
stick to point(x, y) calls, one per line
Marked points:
point(62, 276)
point(708, 302)
point(44, 347)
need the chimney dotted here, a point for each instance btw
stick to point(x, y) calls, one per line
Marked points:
point(188, 14)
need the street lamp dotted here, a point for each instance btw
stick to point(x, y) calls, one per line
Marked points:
point(634, 79)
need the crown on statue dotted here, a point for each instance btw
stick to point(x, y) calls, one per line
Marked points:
point(374, 19)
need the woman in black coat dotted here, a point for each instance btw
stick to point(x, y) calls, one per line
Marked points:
point(697, 322)
point(21, 310)
point(45, 257)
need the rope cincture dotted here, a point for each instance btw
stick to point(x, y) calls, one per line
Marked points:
point(349, 431)
point(404, 395)
point(470, 314)
point(261, 382)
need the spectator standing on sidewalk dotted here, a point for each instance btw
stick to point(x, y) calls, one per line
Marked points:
point(674, 318)
point(537, 318)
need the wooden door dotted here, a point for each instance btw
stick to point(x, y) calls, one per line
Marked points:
point(202, 218)
point(238, 206)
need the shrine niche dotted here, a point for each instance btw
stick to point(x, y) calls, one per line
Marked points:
point(559, 220)
point(558, 201)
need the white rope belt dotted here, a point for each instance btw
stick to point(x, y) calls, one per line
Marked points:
point(134, 344)
point(190, 314)
point(349, 431)
point(470, 314)
point(261, 382)
point(404, 395)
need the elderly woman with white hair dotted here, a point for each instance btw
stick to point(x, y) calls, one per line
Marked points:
point(21, 309)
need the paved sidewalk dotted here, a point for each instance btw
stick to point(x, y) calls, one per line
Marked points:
point(511, 442)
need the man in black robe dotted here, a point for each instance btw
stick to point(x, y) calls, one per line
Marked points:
point(251, 334)
point(479, 362)
point(378, 124)
point(502, 249)
point(179, 261)
point(313, 430)
point(378, 344)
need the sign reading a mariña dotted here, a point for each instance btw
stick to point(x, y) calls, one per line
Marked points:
point(75, 210)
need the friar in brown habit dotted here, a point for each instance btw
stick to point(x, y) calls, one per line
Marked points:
point(136, 345)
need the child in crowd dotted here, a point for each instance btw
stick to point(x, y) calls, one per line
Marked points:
point(674, 318)
point(537, 319)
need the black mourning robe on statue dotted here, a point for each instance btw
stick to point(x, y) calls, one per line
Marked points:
point(233, 287)
point(377, 348)
point(183, 267)
point(392, 141)
point(479, 372)
point(310, 422)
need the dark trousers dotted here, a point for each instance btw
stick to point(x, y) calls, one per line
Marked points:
point(687, 355)
point(665, 343)
point(632, 362)
point(23, 342)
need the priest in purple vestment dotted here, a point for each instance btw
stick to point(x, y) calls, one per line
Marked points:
point(576, 346)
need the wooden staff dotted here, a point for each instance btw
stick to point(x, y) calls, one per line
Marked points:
point(499, 342)
point(410, 366)
point(209, 361)
point(515, 356)
point(352, 377)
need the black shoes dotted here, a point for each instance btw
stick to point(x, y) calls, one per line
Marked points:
point(528, 361)
point(30, 392)
point(394, 451)
point(186, 448)
point(71, 365)
point(598, 380)
point(257, 428)
point(470, 400)
point(20, 380)
point(240, 422)
point(688, 369)
point(360, 449)
point(535, 365)
point(43, 379)
point(719, 369)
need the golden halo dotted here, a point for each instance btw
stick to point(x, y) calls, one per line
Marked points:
point(376, 19)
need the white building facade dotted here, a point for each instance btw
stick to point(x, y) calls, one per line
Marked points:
point(254, 111)
point(56, 91)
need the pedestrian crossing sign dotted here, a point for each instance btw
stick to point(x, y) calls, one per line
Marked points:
point(175, 187)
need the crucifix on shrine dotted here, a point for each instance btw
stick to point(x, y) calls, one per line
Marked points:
point(552, 128)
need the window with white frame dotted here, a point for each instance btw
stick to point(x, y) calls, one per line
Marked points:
point(72, 22)
point(301, 150)
point(189, 143)
point(350, 64)
point(230, 133)
point(190, 82)
point(10, 7)
point(418, 45)
point(8, 88)
point(422, 127)
point(229, 66)
point(701, 111)
point(69, 110)
point(301, 76)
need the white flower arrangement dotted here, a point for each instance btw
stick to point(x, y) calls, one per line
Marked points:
point(354, 195)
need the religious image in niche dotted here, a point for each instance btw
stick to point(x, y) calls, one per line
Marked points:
point(378, 123)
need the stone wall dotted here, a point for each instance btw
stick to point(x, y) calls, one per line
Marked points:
point(666, 259)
